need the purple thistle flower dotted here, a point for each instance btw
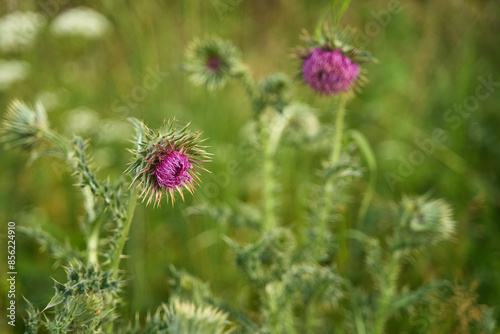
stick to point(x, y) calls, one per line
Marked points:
point(167, 161)
point(329, 71)
point(172, 171)
point(213, 63)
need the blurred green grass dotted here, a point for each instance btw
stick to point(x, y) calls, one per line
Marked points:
point(430, 56)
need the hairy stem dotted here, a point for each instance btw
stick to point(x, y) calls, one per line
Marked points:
point(93, 240)
point(124, 229)
point(387, 292)
point(68, 150)
point(326, 204)
point(367, 152)
point(339, 130)
point(270, 137)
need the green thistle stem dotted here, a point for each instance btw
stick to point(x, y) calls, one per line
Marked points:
point(249, 83)
point(69, 154)
point(334, 159)
point(270, 138)
point(61, 142)
point(93, 240)
point(339, 130)
point(388, 282)
point(88, 197)
point(387, 292)
point(268, 196)
point(124, 229)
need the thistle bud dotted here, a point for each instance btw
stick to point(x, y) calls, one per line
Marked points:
point(22, 125)
point(211, 62)
point(166, 161)
point(423, 222)
point(185, 317)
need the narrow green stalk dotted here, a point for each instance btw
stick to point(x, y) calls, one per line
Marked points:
point(61, 142)
point(270, 137)
point(93, 240)
point(69, 154)
point(310, 316)
point(268, 193)
point(248, 82)
point(122, 237)
point(89, 203)
point(387, 292)
point(358, 321)
point(369, 156)
point(388, 282)
point(339, 130)
point(326, 204)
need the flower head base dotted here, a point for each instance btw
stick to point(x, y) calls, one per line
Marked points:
point(329, 71)
point(211, 62)
point(329, 65)
point(166, 161)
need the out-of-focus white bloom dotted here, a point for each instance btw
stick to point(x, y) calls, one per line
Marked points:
point(303, 118)
point(81, 120)
point(12, 71)
point(81, 21)
point(52, 98)
point(18, 30)
point(115, 130)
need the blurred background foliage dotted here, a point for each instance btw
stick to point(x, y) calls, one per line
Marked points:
point(431, 55)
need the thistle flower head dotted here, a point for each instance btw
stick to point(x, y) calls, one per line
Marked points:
point(211, 62)
point(22, 125)
point(422, 222)
point(166, 160)
point(185, 317)
point(329, 65)
point(329, 71)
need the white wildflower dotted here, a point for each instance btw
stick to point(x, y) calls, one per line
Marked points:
point(12, 71)
point(81, 21)
point(82, 120)
point(18, 30)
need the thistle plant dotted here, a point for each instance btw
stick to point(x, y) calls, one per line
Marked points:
point(331, 273)
point(164, 161)
point(299, 283)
